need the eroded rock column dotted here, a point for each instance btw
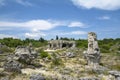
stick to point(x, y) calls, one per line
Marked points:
point(93, 52)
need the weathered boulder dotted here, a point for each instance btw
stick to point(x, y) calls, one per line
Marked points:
point(70, 54)
point(4, 78)
point(116, 74)
point(25, 54)
point(93, 52)
point(37, 77)
point(89, 78)
point(12, 66)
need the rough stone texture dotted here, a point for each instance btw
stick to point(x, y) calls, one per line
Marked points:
point(37, 77)
point(59, 44)
point(93, 52)
point(88, 78)
point(12, 66)
point(25, 54)
point(116, 74)
point(4, 78)
point(70, 54)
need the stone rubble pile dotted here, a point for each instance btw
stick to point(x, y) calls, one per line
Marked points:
point(13, 66)
point(37, 77)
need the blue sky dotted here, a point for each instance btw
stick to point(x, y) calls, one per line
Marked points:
point(65, 18)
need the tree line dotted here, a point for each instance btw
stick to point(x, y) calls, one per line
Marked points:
point(106, 45)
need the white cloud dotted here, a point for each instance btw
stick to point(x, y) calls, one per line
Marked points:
point(34, 35)
point(73, 33)
point(36, 25)
point(24, 2)
point(76, 24)
point(78, 32)
point(99, 4)
point(33, 25)
point(104, 18)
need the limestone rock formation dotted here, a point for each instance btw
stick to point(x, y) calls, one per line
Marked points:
point(116, 74)
point(59, 44)
point(25, 54)
point(93, 52)
point(70, 54)
point(37, 77)
point(12, 66)
point(89, 78)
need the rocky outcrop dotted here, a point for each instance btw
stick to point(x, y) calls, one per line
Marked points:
point(93, 52)
point(116, 74)
point(70, 54)
point(59, 44)
point(37, 77)
point(25, 54)
point(12, 66)
point(89, 78)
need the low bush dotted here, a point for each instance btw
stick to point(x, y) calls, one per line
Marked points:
point(56, 60)
point(44, 54)
point(5, 49)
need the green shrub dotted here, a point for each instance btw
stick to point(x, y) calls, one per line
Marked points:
point(116, 67)
point(44, 54)
point(56, 60)
point(6, 49)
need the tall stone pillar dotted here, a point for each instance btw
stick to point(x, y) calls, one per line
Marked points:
point(93, 52)
point(61, 44)
point(73, 45)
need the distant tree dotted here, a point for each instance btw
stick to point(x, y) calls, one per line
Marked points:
point(41, 39)
point(72, 39)
point(57, 37)
point(65, 38)
point(52, 39)
point(61, 38)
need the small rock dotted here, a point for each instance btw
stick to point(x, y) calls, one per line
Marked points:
point(116, 74)
point(12, 66)
point(70, 54)
point(5, 78)
point(37, 77)
point(89, 78)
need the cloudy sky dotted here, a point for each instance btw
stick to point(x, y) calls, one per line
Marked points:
point(65, 18)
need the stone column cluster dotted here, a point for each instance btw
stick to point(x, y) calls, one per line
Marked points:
point(59, 44)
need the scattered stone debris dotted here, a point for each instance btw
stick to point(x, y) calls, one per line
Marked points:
point(37, 77)
point(116, 74)
point(89, 78)
point(12, 66)
point(74, 67)
point(4, 78)
point(70, 54)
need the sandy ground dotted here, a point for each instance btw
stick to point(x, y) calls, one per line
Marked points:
point(29, 71)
